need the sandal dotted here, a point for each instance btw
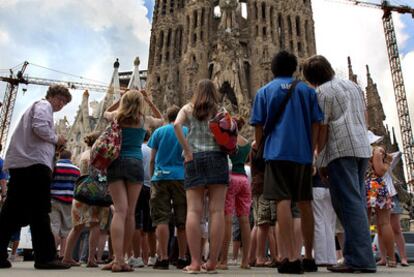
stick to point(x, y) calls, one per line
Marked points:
point(245, 266)
point(189, 270)
point(381, 263)
point(71, 263)
point(108, 266)
point(117, 267)
point(92, 264)
point(391, 263)
point(207, 270)
point(222, 267)
point(404, 264)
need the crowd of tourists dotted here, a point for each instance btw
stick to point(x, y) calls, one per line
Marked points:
point(298, 195)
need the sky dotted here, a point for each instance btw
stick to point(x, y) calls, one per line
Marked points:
point(84, 37)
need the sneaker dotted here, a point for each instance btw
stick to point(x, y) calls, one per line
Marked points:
point(152, 261)
point(51, 265)
point(233, 262)
point(309, 265)
point(294, 267)
point(136, 262)
point(5, 264)
point(181, 263)
point(161, 264)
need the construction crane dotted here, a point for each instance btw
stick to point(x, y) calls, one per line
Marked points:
point(397, 76)
point(13, 81)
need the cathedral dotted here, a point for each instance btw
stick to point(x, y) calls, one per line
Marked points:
point(228, 41)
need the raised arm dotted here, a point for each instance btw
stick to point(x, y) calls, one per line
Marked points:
point(381, 161)
point(178, 129)
point(155, 111)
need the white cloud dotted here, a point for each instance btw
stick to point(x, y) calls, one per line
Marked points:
point(4, 37)
point(349, 30)
point(74, 36)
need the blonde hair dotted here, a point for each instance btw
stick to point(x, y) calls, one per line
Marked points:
point(130, 108)
point(205, 100)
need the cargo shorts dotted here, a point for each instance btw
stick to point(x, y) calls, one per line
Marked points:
point(168, 197)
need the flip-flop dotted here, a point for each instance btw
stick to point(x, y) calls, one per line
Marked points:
point(108, 266)
point(116, 268)
point(204, 269)
point(380, 263)
point(71, 263)
point(405, 264)
point(222, 267)
point(92, 265)
point(188, 270)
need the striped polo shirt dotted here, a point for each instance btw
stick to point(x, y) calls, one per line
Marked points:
point(65, 175)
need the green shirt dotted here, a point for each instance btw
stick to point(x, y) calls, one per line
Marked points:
point(238, 159)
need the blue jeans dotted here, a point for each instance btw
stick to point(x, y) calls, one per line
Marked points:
point(346, 176)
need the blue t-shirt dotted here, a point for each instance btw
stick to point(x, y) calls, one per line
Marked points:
point(291, 138)
point(169, 163)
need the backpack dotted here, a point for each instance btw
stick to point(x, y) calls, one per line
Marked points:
point(224, 129)
point(107, 147)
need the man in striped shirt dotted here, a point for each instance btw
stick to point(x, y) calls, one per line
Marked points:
point(65, 175)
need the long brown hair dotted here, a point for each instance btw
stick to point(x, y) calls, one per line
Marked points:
point(130, 108)
point(205, 100)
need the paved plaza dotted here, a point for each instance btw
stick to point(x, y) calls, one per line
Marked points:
point(25, 269)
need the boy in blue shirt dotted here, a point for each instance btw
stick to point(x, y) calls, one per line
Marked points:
point(167, 190)
point(288, 153)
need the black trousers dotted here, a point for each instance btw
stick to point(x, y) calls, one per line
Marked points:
point(28, 203)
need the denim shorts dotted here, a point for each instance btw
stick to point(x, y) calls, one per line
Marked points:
point(206, 168)
point(129, 170)
point(397, 209)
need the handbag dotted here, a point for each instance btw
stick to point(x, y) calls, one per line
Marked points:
point(224, 130)
point(92, 189)
point(258, 158)
point(107, 147)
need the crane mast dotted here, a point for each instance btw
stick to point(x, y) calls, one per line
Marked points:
point(9, 101)
point(12, 87)
point(397, 77)
point(399, 92)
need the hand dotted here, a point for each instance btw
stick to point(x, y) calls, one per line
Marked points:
point(61, 141)
point(387, 159)
point(323, 173)
point(254, 145)
point(188, 156)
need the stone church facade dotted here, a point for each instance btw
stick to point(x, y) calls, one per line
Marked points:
point(230, 42)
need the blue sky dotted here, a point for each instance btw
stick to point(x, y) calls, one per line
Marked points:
point(84, 37)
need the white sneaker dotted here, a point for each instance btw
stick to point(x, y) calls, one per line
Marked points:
point(136, 262)
point(12, 258)
point(152, 260)
point(232, 262)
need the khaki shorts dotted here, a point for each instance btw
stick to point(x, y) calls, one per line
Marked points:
point(60, 218)
point(168, 197)
point(264, 211)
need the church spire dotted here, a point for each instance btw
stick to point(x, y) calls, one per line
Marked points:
point(135, 81)
point(112, 95)
point(353, 77)
point(376, 115)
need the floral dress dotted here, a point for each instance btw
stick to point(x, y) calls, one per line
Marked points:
point(378, 195)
